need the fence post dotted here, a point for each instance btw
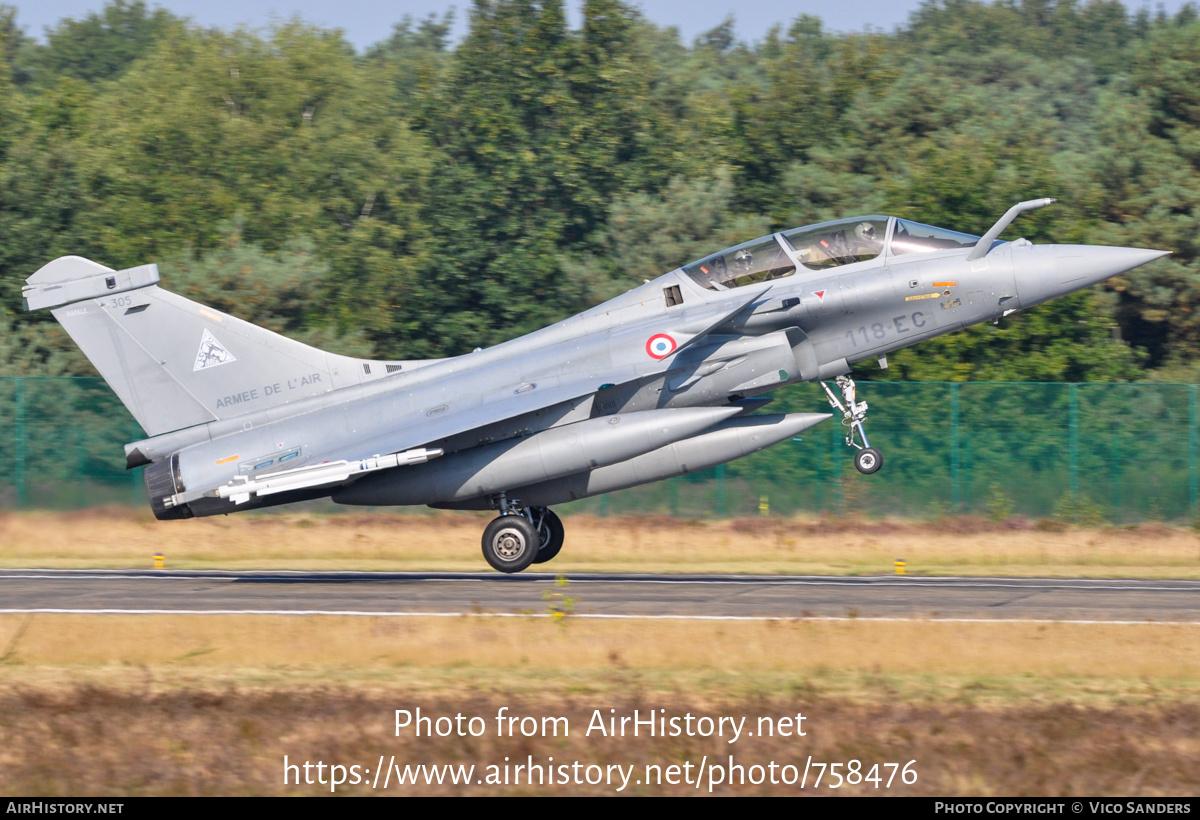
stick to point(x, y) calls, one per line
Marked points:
point(836, 464)
point(137, 474)
point(19, 455)
point(1193, 467)
point(81, 490)
point(955, 491)
point(1114, 469)
point(819, 495)
point(1073, 434)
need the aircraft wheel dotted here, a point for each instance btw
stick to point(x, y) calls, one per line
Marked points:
point(551, 535)
point(510, 543)
point(868, 460)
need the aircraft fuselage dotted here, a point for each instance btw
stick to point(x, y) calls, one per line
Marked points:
point(656, 382)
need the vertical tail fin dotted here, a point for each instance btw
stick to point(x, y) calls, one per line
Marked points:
point(176, 363)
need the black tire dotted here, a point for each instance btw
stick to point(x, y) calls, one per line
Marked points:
point(868, 460)
point(510, 543)
point(551, 535)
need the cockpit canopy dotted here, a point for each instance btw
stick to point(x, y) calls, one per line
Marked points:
point(820, 247)
point(913, 237)
point(844, 242)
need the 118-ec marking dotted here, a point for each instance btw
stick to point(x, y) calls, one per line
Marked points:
point(899, 325)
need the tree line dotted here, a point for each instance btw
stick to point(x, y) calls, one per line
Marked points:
point(423, 197)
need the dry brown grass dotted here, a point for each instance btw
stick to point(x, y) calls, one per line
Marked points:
point(450, 541)
point(124, 705)
point(853, 659)
point(106, 741)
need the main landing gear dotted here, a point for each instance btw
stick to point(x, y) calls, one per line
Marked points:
point(551, 534)
point(867, 460)
point(521, 536)
point(510, 543)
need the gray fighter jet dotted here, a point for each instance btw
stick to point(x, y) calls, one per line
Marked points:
point(658, 382)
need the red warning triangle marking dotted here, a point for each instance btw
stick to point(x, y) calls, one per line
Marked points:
point(820, 294)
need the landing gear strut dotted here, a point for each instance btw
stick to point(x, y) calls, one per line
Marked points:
point(867, 460)
point(521, 535)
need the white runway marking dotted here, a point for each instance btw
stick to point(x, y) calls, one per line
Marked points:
point(594, 616)
point(1181, 585)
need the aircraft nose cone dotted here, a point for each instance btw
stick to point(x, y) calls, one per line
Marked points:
point(1082, 265)
point(1049, 271)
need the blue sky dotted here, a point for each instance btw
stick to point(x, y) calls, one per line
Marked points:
point(369, 21)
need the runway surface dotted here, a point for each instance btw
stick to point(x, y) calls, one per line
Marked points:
point(599, 595)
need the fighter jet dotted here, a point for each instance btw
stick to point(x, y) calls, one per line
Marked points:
point(663, 380)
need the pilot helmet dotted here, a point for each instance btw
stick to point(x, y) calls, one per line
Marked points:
point(864, 232)
point(743, 260)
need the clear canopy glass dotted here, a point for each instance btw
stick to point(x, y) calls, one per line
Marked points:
point(913, 237)
point(843, 242)
point(820, 247)
point(756, 261)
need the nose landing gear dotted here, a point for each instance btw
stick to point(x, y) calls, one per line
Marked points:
point(867, 460)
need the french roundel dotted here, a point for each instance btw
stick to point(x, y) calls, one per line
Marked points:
point(660, 345)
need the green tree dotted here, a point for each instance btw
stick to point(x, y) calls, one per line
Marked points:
point(15, 47)
point(436, 198)
point(103, 45)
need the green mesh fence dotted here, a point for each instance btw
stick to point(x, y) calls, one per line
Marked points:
point(62, 441)
point(1120, 453)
